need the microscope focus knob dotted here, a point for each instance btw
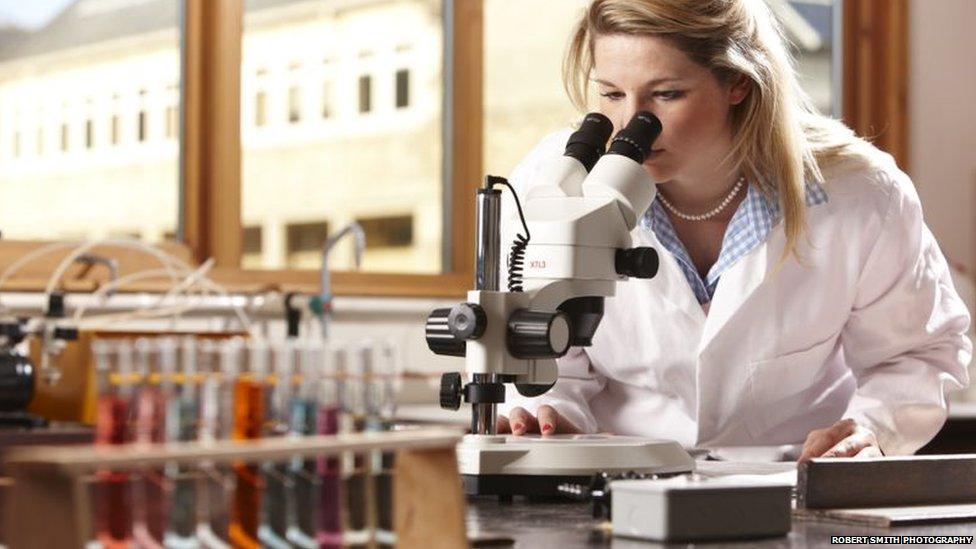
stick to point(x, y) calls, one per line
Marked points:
point(636, 262)
point(451, 391)
point(440, 339)
point(538, 334)
point(467, 321)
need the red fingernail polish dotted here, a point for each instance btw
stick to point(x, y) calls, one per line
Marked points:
point(546, 427)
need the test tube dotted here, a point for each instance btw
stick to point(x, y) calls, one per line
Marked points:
point(328, 526)
point(150, 525)
point(306, 484)
point(357, 485)
point(219, 366)
point(182, 424)
point(381, 405)
point(113, 426)
point(278, 486)
point(249, 419)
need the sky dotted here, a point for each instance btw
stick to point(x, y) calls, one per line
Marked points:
point(30, 13)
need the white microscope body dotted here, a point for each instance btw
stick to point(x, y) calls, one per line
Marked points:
point(577, 247)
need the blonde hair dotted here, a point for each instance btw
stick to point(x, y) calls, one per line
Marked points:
point(779, 139)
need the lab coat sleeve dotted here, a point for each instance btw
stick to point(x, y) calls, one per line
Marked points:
point(905, 339)
point(571, 394)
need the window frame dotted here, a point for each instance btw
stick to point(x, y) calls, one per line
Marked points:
point(211, 222)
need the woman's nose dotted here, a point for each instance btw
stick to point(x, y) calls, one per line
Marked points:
point(631, 108)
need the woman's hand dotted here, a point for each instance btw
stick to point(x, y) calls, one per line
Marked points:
point(548, 422)
point(842, 439)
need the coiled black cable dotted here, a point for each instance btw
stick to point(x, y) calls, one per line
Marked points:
point(516, 258)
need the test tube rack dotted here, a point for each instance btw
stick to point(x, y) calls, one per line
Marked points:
point(48, 503)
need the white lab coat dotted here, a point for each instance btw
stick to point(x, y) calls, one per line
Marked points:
point(868, 327)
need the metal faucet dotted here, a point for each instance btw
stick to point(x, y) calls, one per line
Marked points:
point(325, 284)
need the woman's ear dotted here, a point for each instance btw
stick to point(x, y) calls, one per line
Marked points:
point(739, 90)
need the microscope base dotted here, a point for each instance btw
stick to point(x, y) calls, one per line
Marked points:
point(535, 466)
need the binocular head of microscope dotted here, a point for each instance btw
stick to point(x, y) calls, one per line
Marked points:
point(577, 219)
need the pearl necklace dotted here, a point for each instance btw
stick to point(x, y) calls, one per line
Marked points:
point(706, 215)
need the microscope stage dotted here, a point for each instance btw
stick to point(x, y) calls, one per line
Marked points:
point(534, 465)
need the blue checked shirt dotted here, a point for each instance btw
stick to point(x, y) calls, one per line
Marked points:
point(748, 228)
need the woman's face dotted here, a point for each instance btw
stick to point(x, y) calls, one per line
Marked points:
point(647, 73)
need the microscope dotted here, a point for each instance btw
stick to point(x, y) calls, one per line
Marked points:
point(576, 246)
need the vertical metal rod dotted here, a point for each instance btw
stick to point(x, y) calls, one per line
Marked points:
point(487, 253)
point(488, 247)
point(483, 414)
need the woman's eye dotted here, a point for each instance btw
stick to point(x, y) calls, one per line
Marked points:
point(613, 95)
point(668, 95)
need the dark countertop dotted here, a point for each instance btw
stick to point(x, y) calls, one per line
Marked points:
point(569, 525)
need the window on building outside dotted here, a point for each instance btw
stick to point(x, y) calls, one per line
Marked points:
point(365, 93)
point(402, 88)
point(251, 247)
point(108, 51)
point(172, 122)
point(348, 59)
point(304, 242)
point(294, 104)
point(326, 100)
point(388, 232)
point(115, 129)
point(260, 109)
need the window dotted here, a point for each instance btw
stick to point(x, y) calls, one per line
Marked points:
point(809, 26)
point(304, 243)
point(329, 64)
point(79, 72)
point(251, 246)
point(141, 128)
point(115, 129)
point(260, 109)
point(326, 100)
point(172, 112)
point(172, 122)
point(294, 104)
point(388, 232)
point(538, 101)
point(365, 93)
point(402, 88)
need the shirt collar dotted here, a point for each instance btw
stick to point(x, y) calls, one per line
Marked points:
point(751, 223)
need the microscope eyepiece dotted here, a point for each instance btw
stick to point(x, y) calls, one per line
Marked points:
point(588, 143)
point(634, 141)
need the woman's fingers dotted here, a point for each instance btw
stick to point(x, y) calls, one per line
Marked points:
point(862, 443)
point(502, 425)
point(550, 422)
point(522, 422)
point(822, 440)
point(548, 418)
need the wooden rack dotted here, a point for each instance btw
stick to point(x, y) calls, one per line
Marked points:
point(48, 504)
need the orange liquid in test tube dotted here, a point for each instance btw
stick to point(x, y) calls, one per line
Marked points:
point(248, 423)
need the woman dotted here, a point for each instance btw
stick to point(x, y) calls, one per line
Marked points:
point(801, 298)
